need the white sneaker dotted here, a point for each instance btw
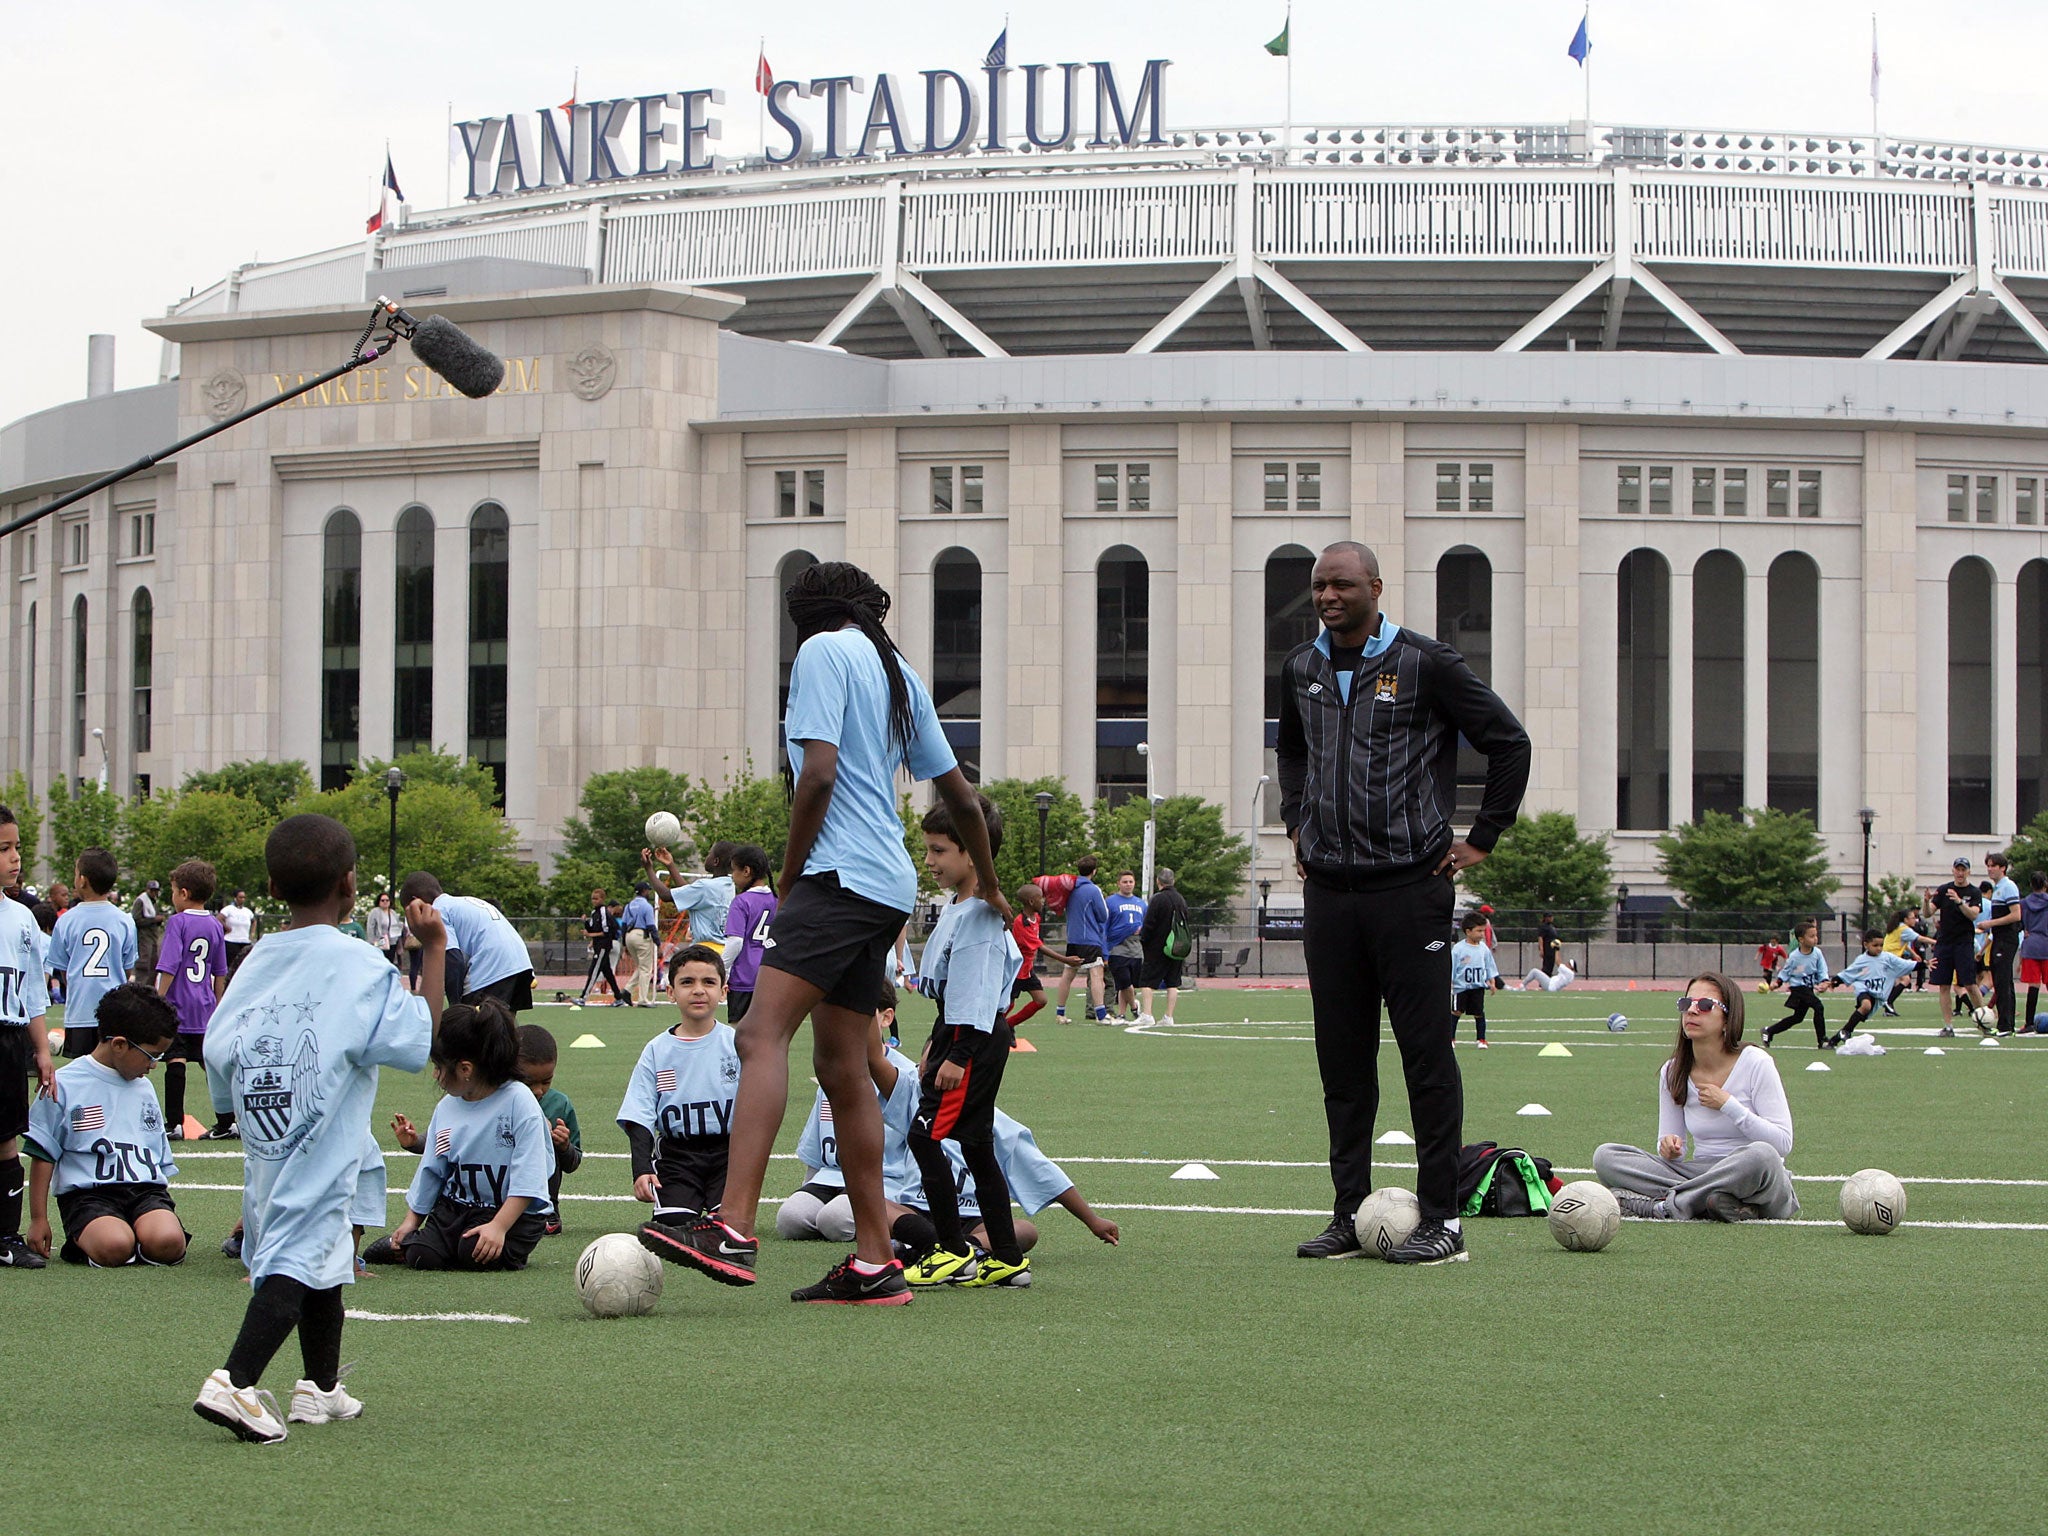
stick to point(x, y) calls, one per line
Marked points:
point(312, 1406)
point(1145, 1021)
point(249, 1411)
point(1167, 1022)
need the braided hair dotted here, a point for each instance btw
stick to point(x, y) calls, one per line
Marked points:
point(825, 597)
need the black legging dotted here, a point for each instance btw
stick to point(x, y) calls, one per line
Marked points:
point(600, 966)
point(1802, 999)
point(277, 1306)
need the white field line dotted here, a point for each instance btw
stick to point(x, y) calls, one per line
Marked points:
point(431, 1317)
point(1322, 1214)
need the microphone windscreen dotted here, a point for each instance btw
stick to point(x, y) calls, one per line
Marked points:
point(454, 355)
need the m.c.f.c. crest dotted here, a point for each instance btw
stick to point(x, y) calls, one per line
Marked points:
point(279, 1098)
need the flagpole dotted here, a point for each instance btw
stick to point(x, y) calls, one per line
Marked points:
point(1588, 22)
point(1876, 145)
point(448, 161)
point(1287, 132)
point(760, 98)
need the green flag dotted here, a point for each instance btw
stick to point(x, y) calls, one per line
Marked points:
point(1278, 47)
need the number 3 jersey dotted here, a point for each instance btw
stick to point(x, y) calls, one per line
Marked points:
point(192, 954)
point(94, 945)
point(679, 1099)
point(99, 1128)
point(484, 1152)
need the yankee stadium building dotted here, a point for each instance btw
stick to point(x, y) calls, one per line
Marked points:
point(1722, 454)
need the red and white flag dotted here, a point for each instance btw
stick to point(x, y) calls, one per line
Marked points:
point(444, 1142)
point(89, 1117)
point(665, 1080)
point(764, 77)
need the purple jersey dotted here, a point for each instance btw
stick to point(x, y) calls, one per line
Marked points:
point(194, 952)
point(746, 923)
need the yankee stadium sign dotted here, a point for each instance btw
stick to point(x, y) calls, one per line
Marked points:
point(849, 118)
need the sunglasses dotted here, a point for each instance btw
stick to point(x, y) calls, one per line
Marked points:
point(1701, 1005)
point(156, 1056)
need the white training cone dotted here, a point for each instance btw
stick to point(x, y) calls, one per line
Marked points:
point(1553, 1049)
point(586, 1043)
point(1194, 1171)
point(1818, 1066)
point(1532, 1109)
point(1935, 1050)
point(1989, 1040)
point(1397, 1139)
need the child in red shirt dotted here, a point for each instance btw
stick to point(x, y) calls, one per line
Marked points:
point(1770, 955)
point(1024, 928)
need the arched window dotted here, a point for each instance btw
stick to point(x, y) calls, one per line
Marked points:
point(1968, 727)
point(1464, 621)
point(1643, 692)
point(490, 623)
point(1123, 612)
point(2031, 677)
point(141, 666)
point(1290, 621)
point(1717, 701)
point(341, 639)
point(412, 666)
point(956, 654)
point(78, 651)
point(1792, 711)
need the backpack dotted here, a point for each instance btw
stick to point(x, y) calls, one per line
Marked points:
point(1503, 1181)
point(1180, 941)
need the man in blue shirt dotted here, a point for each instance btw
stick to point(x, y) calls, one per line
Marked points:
point(1126, 955)
point(2003, 923)
point(639, 934)
point(1087, 939)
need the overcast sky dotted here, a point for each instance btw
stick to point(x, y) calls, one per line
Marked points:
point(151, 147)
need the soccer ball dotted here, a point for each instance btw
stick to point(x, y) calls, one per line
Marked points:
point(1873, 1202)
point(1986, 1016)
point(1584, 1216)
point(2041, 1023)
point(664, 831)
point(616, 1277)
point(1617, 1022)
point(1386, 1219)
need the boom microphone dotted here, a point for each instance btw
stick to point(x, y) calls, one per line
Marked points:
point(450, 351)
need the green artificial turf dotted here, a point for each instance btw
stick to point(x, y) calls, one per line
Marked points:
point(1692, 1377)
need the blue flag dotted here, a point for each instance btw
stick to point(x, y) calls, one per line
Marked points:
point(998, 56)
point(391, 177)
point(1582, 42)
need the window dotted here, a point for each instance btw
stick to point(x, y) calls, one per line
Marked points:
point(1777, 493)
point(1718, 704)
point(78, 653)
point(814, 493)
point(141, 534)
point(341, 631)
point(1643, 692)
point(1133, 481)
point(1959, 498)
point(77, 542)
point(490, 622)
point(1277, 478)
point(1735, 493)
point(141, 665)
point(1628, 488)
point(1464, 621)
point(1464, 487)
point(2026, 500)
point(785, 493)
point(942, 488)
point(1290, 621)
point(1294, 487)
point(968, 477)
point(412, 679)
point(786, 643)
point(1987, 498)
point(812, 484)
point(1450, 496)
point(1107, 479)
point(1660, 490)
point(1809, 493)
point(1122, 619)
point(1138, 487)
point(2031, 678)
point(29, 553)
point(28, 695)
point(1704, 484)
point(1479, 488)
point(1968, 727)
point(956, 654)
point(1792, 674)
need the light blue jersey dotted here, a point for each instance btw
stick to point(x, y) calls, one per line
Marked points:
point(369, 1206)
point(1472, 965)
point(99, 1128)
point(484, 1152)
point(1035, 1180)
point(818, 1147)
point(93, 944)
point(968, 965)
point(706, 901)
point(491, 945)
point(682, 1089)
point(24, 996)
point(1803, 969)
point(838, 693)
point(1874, 975)
point(294, 1049)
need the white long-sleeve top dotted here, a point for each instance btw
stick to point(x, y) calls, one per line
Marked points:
point(1756, 1110)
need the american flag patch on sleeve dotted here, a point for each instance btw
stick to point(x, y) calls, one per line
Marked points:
point(444, 1142)
point(664, 1079)
point(825, 1112)
point(89, 1117)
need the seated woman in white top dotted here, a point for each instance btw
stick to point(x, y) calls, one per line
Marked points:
point(1729, 1099)
point(1557, 981)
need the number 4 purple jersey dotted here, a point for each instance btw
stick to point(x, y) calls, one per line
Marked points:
point(194, 952)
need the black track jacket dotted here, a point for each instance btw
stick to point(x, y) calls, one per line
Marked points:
point(1370, 785)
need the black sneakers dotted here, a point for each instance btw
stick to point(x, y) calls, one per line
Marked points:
point(1642, 1207)
point(15, 1253)
point(1431, 1243)
point(846, 1286)
point(222, 1130)
point(707, 1244)
point(1336, 1241)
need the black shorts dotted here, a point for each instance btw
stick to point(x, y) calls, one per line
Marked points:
point(835, 940)
point(17, 1061)
point(440, 1244)
point(236, 954)
point(967, 1113)
point(514, 991)
point(824, 1194)
point(79, 1039)
point(1024, 984)
point(689, 1175)
point(190, 1048)
point(1087, 954)
point(1473, 1001)
point(78, 1209)
point(1954, 960)
point(1124, 969)
point(1161, 973)
point(736, 1006)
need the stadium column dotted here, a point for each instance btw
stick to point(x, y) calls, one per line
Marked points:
point(1890, 644)
point(1035, 682)
point(872, 516)
point(1681, 694)
point(1379, 503)
point(1553, 644)
point(1756, 683)
point(1196, 759)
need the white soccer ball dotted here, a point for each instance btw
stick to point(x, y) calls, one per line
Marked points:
point(1386, 1219)
point(1873, 1202)
point(616, 1277)
point(663, 830)
point(1617, 1022)
point(1584, 1216)
point(1986, 1016)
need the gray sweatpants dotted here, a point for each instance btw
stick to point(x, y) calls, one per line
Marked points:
point(804, 1215)
point(1755, 1175)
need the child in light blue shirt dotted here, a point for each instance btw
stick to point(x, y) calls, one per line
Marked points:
point(1473, 971)
point(94, 946)
point(1802, 976)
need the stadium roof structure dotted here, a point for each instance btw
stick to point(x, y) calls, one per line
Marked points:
point(1368, 237)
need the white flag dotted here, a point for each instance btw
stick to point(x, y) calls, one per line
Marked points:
point(1874, 70)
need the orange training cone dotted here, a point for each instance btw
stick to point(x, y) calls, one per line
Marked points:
point(1023, 1045)
point(193, 1129)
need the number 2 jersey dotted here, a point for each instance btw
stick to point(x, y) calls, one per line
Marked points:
point(484, 1152)
point(678, 1104)
point(193, 952)
point(99, 1128)
point(94, 945)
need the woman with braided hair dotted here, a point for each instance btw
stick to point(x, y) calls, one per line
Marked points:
point(857, 713)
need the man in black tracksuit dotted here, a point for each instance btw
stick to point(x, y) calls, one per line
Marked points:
point(1370, 716)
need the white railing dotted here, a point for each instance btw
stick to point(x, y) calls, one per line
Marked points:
point(1331, 218)
point(1038, 221)
point(2019, 223)
point(738, 239)
point(1778, 224)
point(560, 241)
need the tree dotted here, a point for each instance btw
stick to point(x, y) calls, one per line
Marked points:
point(1208, 862)
point(1542, 864)
point(226, 830)
point(274, 786)
point(613, 827)
point(1067, 835)
point(1891, 893)
point(1762, 861)
point(2028, 850)
point(747, 808)
point(28, 815)
point(88, 817)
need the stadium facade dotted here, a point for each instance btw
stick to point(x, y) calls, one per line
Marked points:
point(1722, 454)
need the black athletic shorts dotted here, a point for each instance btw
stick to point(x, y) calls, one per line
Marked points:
point(1087, 954)
point(1160, 974)
point(1124, 969)
point(80, 1039)
point(1025, 984)
point(836, 940)
point(514, 991)
point(190, 1048)
point(1473, 1001)
point(965, 1114)
point(1954, 960)
point(440, 1244)
point(689, 1174)
point(17, 1063)
point(736, 1006)
point(80, 1208)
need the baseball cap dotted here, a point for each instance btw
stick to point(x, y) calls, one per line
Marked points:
point(1961, 864)
point(1486, 909)
point(642, 888)
point(153, 886)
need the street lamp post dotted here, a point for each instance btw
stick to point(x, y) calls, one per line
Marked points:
point(1867, 816)
point(394, 781)
point(1265, 889)
point(1043, 800)
point(1151, 819)
point(100, 736)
